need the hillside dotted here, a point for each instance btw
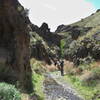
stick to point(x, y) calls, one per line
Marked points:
point(81, 38)
point(81, 47)
point(91, 21)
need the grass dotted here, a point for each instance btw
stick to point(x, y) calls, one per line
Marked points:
point(37, 81)
point(88, 92)
point(9, 92)
point(90, 21)
point(87, 83)
point(62, 45)
point(38, 85)
point(37, 78)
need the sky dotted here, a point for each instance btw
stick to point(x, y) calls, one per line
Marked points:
point(96, 3)
point(57, 12)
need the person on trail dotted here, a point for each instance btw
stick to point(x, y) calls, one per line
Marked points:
point(55, 62)
point(62, 67)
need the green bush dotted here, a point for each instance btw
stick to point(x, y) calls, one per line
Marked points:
point(9, 92)
point(84, 67)
point(62, 45)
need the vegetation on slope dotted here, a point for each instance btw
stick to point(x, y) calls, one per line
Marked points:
point(84, 53)
point(91, 21)
point(81, 42)
point(85, 79)
point(9, 92)
point(38, 69)
point(88, 92)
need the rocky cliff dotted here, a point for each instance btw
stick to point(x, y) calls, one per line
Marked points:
point(48, 36)
point(20, 40)
point(15, 43)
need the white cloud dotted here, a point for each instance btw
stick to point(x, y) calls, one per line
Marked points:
point(56, 12)
point(48, 6)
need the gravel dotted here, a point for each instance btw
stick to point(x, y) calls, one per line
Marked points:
point(58, 90)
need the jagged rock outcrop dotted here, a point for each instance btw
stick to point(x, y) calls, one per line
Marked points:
point(44, 32)
point(15, 42)
point(98, 10)
point(39, 48)
point(48, 48)
point(74, 31)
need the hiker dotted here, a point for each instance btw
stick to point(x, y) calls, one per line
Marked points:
point(55, 62)
point(62, 67)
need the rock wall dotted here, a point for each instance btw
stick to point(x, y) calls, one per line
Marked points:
point(48, 36)
point(14, 38)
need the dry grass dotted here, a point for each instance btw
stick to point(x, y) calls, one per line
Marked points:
point(38, 65)
point(51, 68)
point(68, 67)
point(95, 64)
point(87, 76)
point(92, 73)
point(25, 97)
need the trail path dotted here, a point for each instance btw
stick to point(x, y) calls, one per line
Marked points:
point(56, 89)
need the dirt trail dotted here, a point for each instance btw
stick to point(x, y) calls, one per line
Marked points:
point(56, 89)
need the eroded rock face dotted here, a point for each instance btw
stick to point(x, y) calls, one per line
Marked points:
point(39, 52)
point(14, 39)
point(48, 36)
point(74, 31)
point(48, 51)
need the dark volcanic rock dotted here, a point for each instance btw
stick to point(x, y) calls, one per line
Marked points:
point(74, 31)
point(96, 52)
point(44, 32)
point(15, 40)
point(39, 52)
point(96, 36)
point(98, 10)
point(62, 28)
point(44, 28)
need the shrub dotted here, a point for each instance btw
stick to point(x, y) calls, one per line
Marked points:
point(96, 72)
point(62, 45)
point(87, 77)
point(84, 67)
point(87, 60)
point(9, 92)
point(37, 66)
point(91, 77)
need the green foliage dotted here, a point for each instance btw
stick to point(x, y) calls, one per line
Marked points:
point(83, 51)
point(86, 61)
point(88, 92)
point(84, 67)
point(62, 45)
point(9, 92)
point(37, 78)
point(88, 42)
point(37, 66)
point(38, 83)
